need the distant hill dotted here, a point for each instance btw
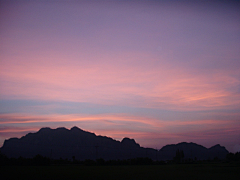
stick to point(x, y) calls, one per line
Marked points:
point(193, 151)
point(64, 143)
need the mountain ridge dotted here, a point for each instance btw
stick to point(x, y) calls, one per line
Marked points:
point(66, 143)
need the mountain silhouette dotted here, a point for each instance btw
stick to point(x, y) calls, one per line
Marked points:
point(82, 145)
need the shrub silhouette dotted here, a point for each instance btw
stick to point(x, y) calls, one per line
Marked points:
point(233, 157)
point(179, 156)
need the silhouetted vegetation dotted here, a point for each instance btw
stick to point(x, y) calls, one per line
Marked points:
point(39, 160)
point(169, 171)
point(233, 157)
point(179, 156)
point(41, 167)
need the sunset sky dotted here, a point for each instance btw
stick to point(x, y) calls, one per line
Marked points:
point(161, 72)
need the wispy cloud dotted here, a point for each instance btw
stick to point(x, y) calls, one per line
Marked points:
point(122, 125)
point(159, 87)
point(148, 69)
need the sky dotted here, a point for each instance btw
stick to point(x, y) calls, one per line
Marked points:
point(161, 72)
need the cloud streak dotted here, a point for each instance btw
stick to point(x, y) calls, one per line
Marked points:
point(121, 125)
point(155, 87)
point(150, 69)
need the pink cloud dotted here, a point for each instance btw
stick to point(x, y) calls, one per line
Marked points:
point(114, 83)
point(152, 55)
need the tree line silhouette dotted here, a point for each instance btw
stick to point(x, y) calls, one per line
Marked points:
point(40, 160)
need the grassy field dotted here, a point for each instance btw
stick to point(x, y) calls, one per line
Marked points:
point(177, 171)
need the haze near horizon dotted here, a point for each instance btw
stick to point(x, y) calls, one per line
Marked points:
point(159, 72)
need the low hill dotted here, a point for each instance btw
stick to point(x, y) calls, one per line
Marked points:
point(64, 143)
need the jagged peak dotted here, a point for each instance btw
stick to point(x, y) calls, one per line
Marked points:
point(49, 130)
point(217, 146)
point(45, 129)
point(190, 143)
point(183, 144)
point(128, 141)
point(75, 128)
point(79, 141)
point(61, 128)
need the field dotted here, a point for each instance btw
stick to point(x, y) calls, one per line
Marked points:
point(172, 171)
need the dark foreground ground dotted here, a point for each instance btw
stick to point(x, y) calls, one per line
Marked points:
point(170, 171)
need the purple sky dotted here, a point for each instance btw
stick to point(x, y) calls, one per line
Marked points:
point(157, 71)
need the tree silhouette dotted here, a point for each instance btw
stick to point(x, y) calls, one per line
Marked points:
point(179, 156)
